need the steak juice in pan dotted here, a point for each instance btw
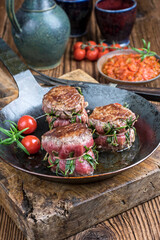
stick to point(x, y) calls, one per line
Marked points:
point(115, 19)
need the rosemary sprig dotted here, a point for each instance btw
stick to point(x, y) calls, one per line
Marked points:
point(70, 163)
point(13, 136)
point(69, 167)
point(79, 90)
point(55, 163)
point(145, 52)
point(111, 130)
point(92, 161)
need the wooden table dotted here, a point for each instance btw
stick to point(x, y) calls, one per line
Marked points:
point(142, 221)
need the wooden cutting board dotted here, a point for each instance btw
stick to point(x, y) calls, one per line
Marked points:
point(48, 210)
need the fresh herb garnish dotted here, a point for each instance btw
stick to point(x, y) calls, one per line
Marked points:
point(71, 155)
point(126, 105)
point(91, 126)
point(127, 135)
point(74, 117)
point(52, 122)
point(79, 90)
point(87, 148)
point(112, 140)
point(73, 120)
point(13, 136)
point(70, 163)
point(55, 153)
point(145, 52)
point(114, 131)
point(55, 163)
point(93, 162)
point(109, 129)
point(96, 153)
point(69, 167)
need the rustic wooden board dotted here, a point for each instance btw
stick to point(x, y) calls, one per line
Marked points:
point(48, 210)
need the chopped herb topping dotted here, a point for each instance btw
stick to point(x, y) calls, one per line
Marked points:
point(79, 90)
point(52, 122)
point(74, 116)
point(126, 105)
point(111, 140)
point(70, 163)
point(73, 120)
point(70, 167)
point(90, 160)
point(71, 155)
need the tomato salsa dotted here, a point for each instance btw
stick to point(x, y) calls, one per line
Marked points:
point(130, 67)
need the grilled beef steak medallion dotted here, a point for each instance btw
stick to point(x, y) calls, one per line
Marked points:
point(113, 126)
point(68, 139)
point(70, 149)
point(64, 105)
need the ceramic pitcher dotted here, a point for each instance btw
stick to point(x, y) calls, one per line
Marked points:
point(40, 30)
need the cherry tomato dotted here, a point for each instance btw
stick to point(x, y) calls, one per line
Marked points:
point(79, 54)
point(27, 121)
point(91, 45)
point(118, 104)
point(102, 47)
point(100, 54)
point(126, 47)
point(116, 45)
point(31, 143)
point(77, 45)
point(92, 55)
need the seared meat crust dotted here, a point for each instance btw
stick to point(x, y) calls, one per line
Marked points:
point(68, 139)
point(114, 114)
point(62, 101)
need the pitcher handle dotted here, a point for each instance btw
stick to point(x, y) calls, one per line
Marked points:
point(12, 16)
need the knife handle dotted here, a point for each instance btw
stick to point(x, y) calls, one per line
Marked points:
point(149, 93)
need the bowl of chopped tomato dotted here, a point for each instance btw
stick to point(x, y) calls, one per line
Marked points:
point(126, 66)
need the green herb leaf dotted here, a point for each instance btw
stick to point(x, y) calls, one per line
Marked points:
point(13, 136)
point(69, 167)
point(145, 52)
point(20, 145)
point(87, 149)
point(71, 155)
point(73, 120)
point(79, 90)
point(93, 162)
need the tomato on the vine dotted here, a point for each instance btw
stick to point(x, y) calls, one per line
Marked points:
point(92, 55)
point(91, 44)
point(102, 47)
point(79, 54)
point(27, 121)
point(100, 54)
point(31, 143)
point(126, 47)
point(115, 45)
point(77, 45)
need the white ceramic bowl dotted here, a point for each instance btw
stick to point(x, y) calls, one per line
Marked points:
point(105, 57)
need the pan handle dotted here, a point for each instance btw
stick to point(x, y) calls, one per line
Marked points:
point(17, 68)
point(10, 59)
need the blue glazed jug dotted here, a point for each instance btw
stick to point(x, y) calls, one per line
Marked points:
point(40, 30)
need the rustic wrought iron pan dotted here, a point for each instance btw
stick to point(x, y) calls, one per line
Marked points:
point(30, 102)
